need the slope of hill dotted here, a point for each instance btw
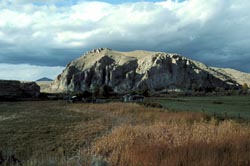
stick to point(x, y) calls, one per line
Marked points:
point(236, 75)
point(138, 70)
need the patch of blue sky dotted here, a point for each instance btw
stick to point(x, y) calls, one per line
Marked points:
point(123, 1)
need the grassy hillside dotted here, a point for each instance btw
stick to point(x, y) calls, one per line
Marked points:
point(58, 133)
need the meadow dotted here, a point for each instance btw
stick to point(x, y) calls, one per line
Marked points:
point(232, 106)
point(46, 133)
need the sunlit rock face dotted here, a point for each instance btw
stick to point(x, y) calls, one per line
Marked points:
point(138, 70)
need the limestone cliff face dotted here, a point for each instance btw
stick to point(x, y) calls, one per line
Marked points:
point(126, 71)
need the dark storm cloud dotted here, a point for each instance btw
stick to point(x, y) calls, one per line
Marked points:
point(214, 32)
point(61, 57)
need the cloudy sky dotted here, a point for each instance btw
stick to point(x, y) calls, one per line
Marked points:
point(39, 37)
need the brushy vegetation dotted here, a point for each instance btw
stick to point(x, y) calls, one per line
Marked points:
point(118, 134)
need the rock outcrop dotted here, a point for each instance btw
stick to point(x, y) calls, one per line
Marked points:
point(138, 70)
point(17, 90)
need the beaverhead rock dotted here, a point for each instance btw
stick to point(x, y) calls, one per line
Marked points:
point(138, 70)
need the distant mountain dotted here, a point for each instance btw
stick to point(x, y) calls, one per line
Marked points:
point(137, 70)
point(44, 79)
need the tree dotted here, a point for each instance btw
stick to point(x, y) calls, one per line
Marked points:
point(105, 91)
point(86, 94)
point(145, 92)
point(94, 90)
point(194, 86)
point(245, 86)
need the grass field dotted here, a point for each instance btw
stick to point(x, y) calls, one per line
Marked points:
point(234, 106)
point(36, 130)
point(56, 133)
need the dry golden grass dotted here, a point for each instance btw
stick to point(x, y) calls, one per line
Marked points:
point(134, 113)
point(200, 143)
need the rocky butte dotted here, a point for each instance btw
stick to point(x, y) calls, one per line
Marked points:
point(139, 70)
point(12, 90)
